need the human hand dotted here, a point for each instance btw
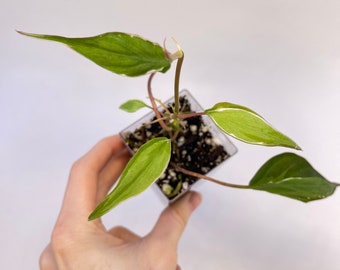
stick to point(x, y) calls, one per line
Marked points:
point(77, 243)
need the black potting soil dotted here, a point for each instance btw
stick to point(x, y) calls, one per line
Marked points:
point(194, 149)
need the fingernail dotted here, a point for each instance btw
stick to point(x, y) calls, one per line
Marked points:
point(195, 200)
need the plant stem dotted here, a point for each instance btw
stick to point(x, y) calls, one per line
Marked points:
point(164, 106)
point(205, 177)
point(176, 86)
point(155, 121)
point(189, 115)
point(154, 105)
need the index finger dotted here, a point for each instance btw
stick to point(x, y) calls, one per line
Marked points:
point(81, 191)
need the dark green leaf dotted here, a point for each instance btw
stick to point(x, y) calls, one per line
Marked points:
point(133, 105)
point(246, 125)
point(292, 176)
point(118, 52)
point(144, 168)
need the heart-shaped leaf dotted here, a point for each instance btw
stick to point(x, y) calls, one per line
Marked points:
point(144, 168)
point(133, 105)
point(292, 176)
point(246, 125)
point(118, 52)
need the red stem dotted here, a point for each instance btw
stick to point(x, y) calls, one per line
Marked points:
point(189, 115)
point(154, 105)
point(205, 177)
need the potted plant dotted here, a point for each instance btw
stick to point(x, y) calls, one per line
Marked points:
point(173, 145)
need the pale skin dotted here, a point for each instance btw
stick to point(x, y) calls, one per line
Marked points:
point(77, 243)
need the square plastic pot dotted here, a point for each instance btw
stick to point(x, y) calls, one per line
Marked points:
point(200, 147)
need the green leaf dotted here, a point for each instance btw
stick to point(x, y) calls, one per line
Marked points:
point(246, 125)
point(133, 105)
point(118, 52)
point(144, 168)
point(292, 176)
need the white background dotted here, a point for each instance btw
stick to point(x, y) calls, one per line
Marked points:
point(280, 58)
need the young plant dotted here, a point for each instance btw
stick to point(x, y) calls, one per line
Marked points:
point(286, 174)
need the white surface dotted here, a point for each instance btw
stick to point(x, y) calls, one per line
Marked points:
point(280, 58)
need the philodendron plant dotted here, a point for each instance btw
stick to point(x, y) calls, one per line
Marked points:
point(286, 174)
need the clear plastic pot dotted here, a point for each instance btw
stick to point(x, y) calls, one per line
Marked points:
point(200, 147)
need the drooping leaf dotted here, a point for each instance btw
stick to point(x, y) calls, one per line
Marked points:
point(133, 105)
point(118, 52)
point(246, 125)
point(144, 168)
point(292, 176)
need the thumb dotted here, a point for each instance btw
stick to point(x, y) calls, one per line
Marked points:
point(174, 218)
